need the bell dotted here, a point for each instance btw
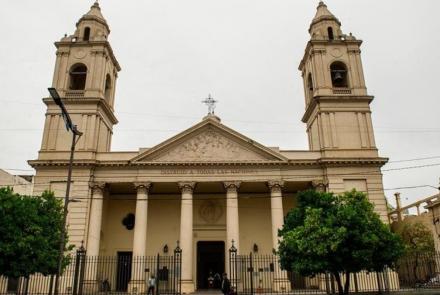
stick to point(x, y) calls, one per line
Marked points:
point(338, 77)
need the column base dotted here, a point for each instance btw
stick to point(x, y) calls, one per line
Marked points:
point(137, 287)
point(281, 285)
point(187, 287)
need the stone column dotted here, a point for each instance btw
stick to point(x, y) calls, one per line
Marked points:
point(94, 236)
point(276, 209)
point(137, 283)
point(398, 207)
point(186, 236)
point(232, 221)
point(232, 225)
point(140, 227)
point(281, 283)
point(95, 219)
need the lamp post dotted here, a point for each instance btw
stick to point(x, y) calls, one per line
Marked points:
point(76, 134)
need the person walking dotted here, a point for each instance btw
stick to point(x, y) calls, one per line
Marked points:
point(226, 285)
point(152, 285)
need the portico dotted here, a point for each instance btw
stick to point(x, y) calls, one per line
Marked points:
point(205, 211)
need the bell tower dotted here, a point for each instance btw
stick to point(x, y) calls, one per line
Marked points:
point(338, 114)
point(85, 77)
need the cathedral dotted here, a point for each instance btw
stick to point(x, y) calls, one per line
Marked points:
point(209, 187)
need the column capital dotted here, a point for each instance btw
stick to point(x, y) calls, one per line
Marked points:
point(275, 185)
point(320, 185)
point(232, 185)
point(97, 186)
point(142, 186)
point(187, 187)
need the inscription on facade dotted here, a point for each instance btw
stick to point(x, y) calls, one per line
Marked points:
point(207, 171)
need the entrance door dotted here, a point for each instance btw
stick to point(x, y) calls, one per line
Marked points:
point(210, 262)
point(123, 274)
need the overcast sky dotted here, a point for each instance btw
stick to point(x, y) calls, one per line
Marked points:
point(245, 53)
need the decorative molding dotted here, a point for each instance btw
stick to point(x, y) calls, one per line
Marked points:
point(207, 146)
point(90, 100)
point(187, 187)
point(275, 186)
point(354, 50)
point(335, 98)
point(291, 163)
point(320, 185)
point(209, 142)
point(232, 186)
point(210, 211)
point(142, 187)
point(80, 54)
point(97, 187)
point(317, 51)
point(89, 44)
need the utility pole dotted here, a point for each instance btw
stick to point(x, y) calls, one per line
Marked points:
point(76, 135)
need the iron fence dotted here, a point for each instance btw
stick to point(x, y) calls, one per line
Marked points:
point(249, 274)
point(123, 273)
point(255, 274)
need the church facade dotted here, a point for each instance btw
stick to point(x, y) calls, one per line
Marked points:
point(209, 186)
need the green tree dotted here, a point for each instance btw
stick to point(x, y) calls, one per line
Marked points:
point(340, 234)
point(417, 238)
point(419, 248)
point(30, 228)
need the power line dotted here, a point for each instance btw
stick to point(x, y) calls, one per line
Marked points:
point(377, 128)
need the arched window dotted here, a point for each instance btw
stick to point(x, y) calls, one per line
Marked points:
point(108, 87)
point(78, 76)
point(339, 75)
point(331, 36)
point(86, 36)
point(310, 85)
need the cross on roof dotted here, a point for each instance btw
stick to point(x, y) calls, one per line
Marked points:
point(210, 102)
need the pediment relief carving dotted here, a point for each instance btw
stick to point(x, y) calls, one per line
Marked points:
point(209, 141)
point(209, 145)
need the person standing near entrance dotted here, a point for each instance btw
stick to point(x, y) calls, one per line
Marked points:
point(226, 285)
point(152, 285)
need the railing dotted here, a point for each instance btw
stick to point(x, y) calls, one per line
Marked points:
point(253, 274)
point(105, 275)
point(75, 93)
point(341, 91)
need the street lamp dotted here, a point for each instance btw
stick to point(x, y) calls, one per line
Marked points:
point(76, 133)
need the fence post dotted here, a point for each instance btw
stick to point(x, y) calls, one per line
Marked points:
point(332, 280)
point(177, 268)
point(157, 274)
point(78, 259)
point(233, 266)
point(83, 265)
point(386, 280)
point(251, 270)
point(51, 285)
point(355, 280)
point(379, 283)
point(26, 287)
point(327, 283)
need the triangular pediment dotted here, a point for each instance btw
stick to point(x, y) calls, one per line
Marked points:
point(209, 141)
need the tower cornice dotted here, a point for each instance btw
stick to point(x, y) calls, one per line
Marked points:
point(95, 101)
point(337, 99)
point(61, 44)
point(94, 18)
point(316, 42)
